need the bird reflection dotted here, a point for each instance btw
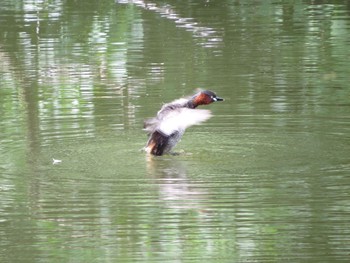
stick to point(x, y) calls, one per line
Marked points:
point(175, 189)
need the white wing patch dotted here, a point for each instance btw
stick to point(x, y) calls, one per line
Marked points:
point(182, 118)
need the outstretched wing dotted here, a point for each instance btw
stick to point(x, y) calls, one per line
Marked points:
point(182, 118)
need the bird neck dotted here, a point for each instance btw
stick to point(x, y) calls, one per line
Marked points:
point(191, 104)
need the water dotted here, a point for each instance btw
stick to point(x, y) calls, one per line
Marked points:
point(265, 180)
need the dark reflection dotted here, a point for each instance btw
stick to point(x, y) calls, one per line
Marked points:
point(175, 189)
point(30, 102)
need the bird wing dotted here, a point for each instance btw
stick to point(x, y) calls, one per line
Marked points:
point(182, 118)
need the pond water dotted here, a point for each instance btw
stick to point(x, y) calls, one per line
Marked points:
point(266, 179)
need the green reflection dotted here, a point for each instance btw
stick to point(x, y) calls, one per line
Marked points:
point(264, 180)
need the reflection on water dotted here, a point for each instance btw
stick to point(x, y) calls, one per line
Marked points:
point(208, 37)
point(175, 189)
point(266, 179)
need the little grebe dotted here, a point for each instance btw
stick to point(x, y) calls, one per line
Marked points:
point(166, 129)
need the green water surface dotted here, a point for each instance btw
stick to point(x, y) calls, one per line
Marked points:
point(266, 179)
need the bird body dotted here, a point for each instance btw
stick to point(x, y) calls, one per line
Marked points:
point(166, 129)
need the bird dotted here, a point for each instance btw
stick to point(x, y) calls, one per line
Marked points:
point(166, 129)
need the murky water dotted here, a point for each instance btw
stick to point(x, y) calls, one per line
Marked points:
point(265, 180)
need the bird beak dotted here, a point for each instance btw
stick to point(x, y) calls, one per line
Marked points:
point(219, 99)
